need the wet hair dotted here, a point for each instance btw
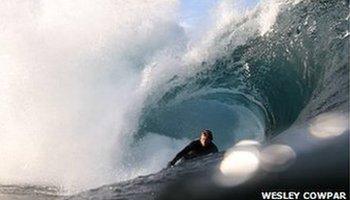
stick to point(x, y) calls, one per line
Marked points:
point(207, 133)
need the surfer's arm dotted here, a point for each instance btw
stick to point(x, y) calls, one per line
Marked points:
point(183, 152)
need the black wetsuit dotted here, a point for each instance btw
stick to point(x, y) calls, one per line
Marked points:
point(194, 149)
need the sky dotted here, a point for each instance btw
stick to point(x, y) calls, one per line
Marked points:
point(195, 12)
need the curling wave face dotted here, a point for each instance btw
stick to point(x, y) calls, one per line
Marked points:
point(259, 89)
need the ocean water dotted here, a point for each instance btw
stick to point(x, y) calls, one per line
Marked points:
point(103, 95)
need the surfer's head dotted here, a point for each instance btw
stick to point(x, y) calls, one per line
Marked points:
point(206, 137)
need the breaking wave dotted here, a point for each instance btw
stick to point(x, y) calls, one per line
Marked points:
point(94, 93)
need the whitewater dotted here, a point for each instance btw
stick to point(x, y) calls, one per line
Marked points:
point(102, 94)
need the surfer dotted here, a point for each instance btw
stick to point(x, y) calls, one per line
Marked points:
point(199, 147)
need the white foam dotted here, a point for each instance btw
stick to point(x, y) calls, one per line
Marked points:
point(75, 76)
point(70, 69)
